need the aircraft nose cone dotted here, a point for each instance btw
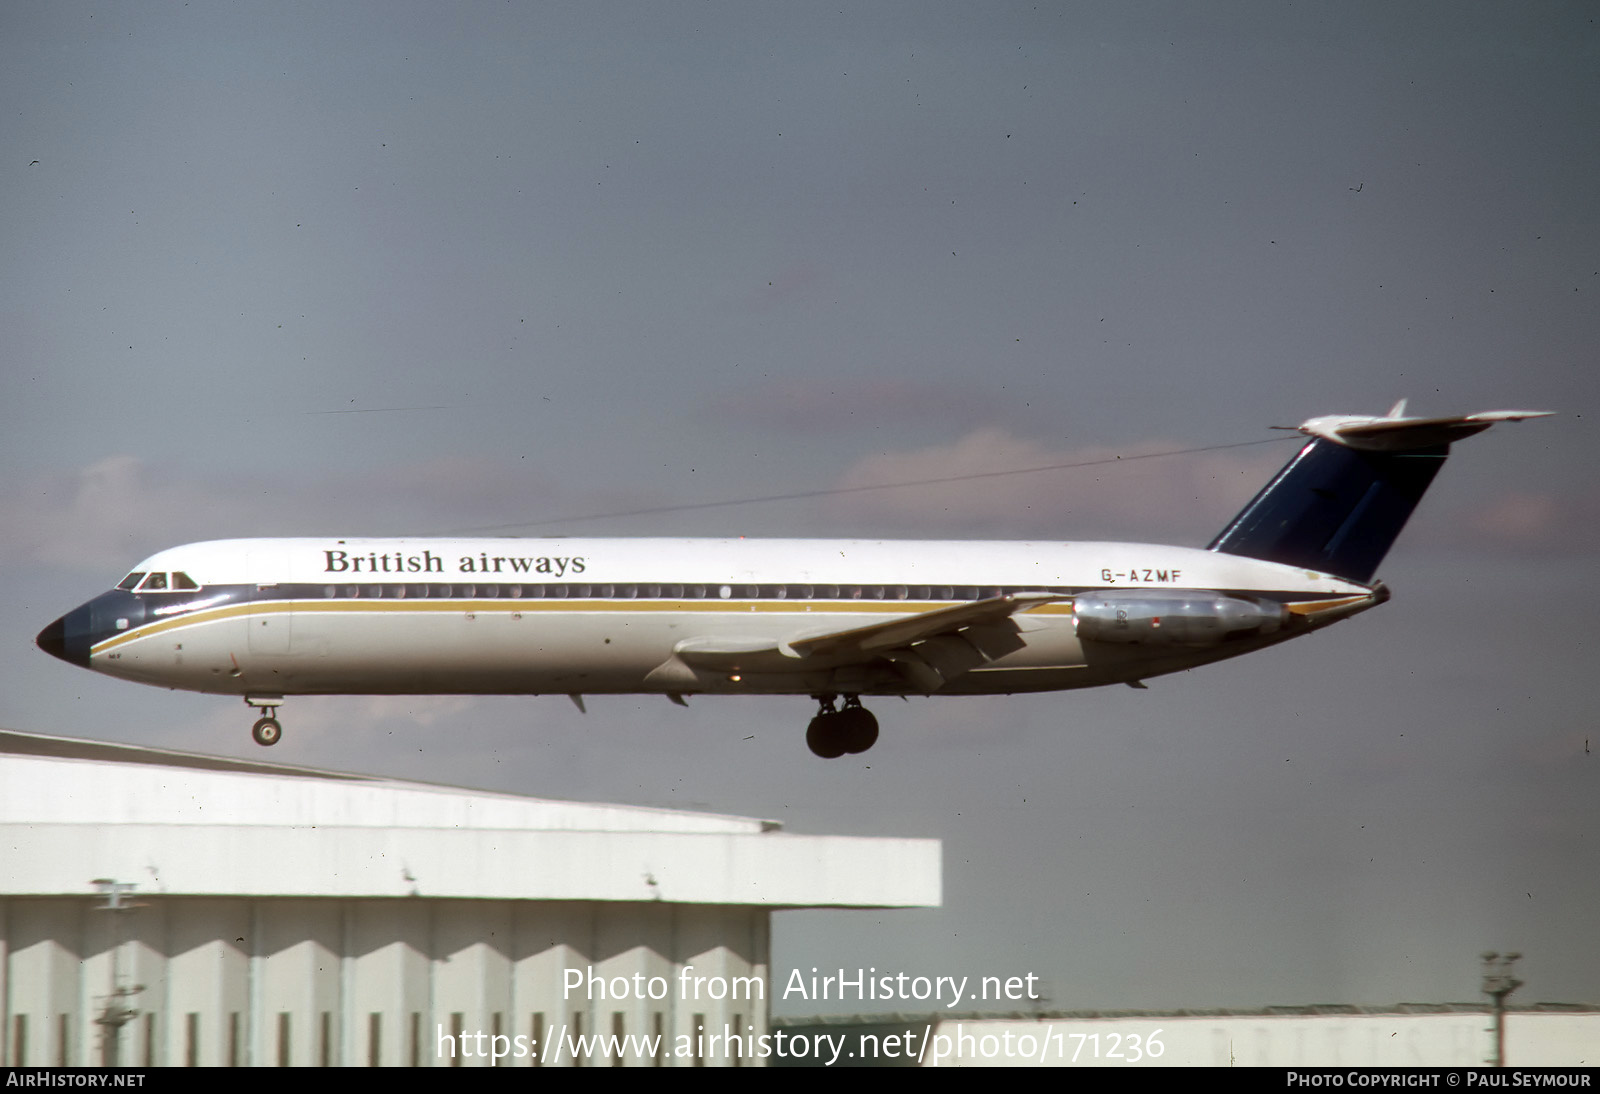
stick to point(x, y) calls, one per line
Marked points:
point(68, 638)
point(53, 639)
point(72, 637)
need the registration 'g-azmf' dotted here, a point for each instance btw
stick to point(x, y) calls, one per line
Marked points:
point(831, 619)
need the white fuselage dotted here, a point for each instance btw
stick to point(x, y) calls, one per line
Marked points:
point(273, 617)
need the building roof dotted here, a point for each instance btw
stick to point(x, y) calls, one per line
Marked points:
point(180, 823)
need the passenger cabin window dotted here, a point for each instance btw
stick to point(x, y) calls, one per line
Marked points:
point(177, 581)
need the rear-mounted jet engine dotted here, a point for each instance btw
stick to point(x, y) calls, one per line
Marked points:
point(1198, 618)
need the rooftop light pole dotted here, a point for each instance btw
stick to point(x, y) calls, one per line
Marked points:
point(1498, 982)
point(115, 1013)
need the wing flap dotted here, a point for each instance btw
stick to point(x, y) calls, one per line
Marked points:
point(933, 662)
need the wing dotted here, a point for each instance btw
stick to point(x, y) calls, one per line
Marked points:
point(873, 640)
point(928, 648)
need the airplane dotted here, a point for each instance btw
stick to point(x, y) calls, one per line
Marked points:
point(834, 620)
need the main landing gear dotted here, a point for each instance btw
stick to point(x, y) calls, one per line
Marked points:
point(832, 732)
point(266, 731)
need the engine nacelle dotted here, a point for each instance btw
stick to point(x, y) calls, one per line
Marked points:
point(1195, 617)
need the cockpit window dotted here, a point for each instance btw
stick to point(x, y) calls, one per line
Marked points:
point(131, 580)
point(158, 582)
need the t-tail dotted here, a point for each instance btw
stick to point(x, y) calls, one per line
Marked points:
point(1339, 504)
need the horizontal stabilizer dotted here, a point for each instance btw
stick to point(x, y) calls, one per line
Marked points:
point(1394, 433)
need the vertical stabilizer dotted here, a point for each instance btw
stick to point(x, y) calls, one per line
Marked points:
point(1333, 509)
point(1341, 502)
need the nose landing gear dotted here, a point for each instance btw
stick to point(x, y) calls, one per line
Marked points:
point(833, 732)
point(266, 731)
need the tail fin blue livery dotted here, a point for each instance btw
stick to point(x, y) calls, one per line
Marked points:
point(1340, 503)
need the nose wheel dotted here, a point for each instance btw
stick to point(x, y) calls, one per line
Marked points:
point(267, 730)
point(834, 732)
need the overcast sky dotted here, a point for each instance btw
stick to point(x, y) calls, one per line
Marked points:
point(382, 268)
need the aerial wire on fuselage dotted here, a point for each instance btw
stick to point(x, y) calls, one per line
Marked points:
point(655, 510)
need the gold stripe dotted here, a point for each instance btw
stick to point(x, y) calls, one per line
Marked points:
point(507, 607)
point(1313, 607)
point(899, 608)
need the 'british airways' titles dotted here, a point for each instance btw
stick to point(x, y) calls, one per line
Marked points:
point(347, 562)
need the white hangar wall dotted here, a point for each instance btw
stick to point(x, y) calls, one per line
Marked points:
point(284, 915)
point(362, 982)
